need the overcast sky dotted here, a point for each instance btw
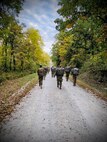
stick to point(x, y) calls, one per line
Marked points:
point(41, 14)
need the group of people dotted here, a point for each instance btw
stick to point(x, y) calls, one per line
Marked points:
point(58, 72)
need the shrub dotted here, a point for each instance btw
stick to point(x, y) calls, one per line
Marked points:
point(97, 66)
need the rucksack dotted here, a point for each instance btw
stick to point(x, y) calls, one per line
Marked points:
point(41, 72)
point(53, 69)
point(67, 69)
point(60, 71)
point(75, 71)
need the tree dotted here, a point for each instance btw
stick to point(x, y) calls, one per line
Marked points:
point(60, 48)
point(86, 22)
point(11, 7)
point(8, 10)
point(71, 10)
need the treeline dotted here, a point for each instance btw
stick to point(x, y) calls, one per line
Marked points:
point(20, 50)
point(82, 37)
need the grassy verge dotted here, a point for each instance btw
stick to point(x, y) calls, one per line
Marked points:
point(11, 91)
point(11, 75)
point(88, 83)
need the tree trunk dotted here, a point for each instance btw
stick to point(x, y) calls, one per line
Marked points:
point(5, 58)
point(14, 62)
point(22, 65)
point(11, 61)
point(11, 56)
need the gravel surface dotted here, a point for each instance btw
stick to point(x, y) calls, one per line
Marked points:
point(53, 115)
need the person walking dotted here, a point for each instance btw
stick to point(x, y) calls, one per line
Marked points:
point(45, 72)
point(67, 72)
point(59, 75)
point(53, 70)
point(40, 73)
point(75, 72)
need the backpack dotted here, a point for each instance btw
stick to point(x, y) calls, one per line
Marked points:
point(60, 71)
point(53, 69)
point(41, 72)
point(67, 69)
point(75, 71)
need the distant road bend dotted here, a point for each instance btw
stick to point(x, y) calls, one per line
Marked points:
point(53, 115)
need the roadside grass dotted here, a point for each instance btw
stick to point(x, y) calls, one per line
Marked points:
point(11, 75)
point(88, 83)
point(11, 92)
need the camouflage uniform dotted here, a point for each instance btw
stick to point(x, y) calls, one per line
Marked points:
point(67, 71)
point(59, 76)
point(40, 76)
point(75, 72)
point(53, 71)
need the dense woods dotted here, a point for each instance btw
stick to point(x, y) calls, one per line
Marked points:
point(21, 49)
point(82, 37)
point(81, 41)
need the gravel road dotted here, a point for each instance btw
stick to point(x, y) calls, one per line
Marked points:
point(53, 115)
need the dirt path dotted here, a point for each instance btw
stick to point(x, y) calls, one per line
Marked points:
point(54, 115)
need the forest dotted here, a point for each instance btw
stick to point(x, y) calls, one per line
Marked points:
point(82, 38)
point(21, 49)
point(21, 53)
point(81, 41)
